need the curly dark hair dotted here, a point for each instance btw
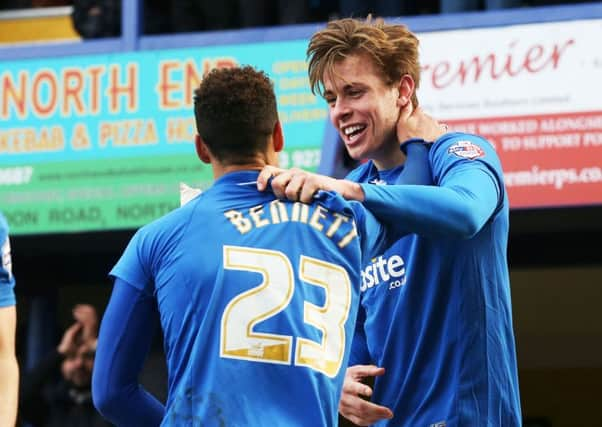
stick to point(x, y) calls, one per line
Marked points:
point(235, 112)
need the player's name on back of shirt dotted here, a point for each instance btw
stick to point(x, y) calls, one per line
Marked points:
point(335, 225)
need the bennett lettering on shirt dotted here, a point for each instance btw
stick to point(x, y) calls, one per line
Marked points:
point(277, 212)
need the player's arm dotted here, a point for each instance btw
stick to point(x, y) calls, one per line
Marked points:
point(298, 185)
point(9, 369)
point(459, 207)
point(353, 404)
point(126, 334)
point(359, 345)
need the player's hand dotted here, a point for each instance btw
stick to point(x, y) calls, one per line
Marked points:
point(352, 405)
point(71, 339)
point(415, 123)
point(85, 314)
point(301, 186)
point(266, 173)
point(293, 184)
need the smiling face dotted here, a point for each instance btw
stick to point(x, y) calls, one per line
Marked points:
point(364, 110)
point(77, 366)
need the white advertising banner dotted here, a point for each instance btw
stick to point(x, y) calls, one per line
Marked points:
point(535, 92)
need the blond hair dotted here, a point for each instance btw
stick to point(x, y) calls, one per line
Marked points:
point(392, 47)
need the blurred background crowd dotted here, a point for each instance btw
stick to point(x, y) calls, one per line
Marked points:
point(102, 18)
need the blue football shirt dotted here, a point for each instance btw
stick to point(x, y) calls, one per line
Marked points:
point(7, 281)
point(436, 310)
point(257, 300)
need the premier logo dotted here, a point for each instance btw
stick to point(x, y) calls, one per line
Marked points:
point(382, 269)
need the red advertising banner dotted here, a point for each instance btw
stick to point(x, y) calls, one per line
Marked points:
point(548, 159)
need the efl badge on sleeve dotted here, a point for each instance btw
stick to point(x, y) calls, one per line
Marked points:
point(466, 150)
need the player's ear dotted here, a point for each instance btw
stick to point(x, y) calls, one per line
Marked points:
point(406, 90)
point(201, 149)
point(278, 137)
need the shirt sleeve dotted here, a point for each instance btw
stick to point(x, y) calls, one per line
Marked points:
point(468, 191)
point(136, 263)
point(125, 337)
point(359, 346)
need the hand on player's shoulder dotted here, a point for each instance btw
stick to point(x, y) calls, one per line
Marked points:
point(415, 123)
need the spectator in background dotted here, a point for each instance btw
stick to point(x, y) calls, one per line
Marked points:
point(50, 3)
point(351, 8)
point(281, 12)
point(14, 4)
point(207, 15)
point(57, 391)
point(9, 369)
point(452, 6)
point(292, 11)
point(97, 18)
point(202, 15)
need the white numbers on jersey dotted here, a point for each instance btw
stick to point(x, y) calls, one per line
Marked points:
point(238, 340)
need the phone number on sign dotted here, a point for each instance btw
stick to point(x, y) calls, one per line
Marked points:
point(16, 175)
point(304, 159)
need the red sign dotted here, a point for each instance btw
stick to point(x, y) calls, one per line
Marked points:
point(548, 159)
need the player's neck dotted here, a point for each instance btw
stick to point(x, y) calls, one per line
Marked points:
point(217, 173)
point(389, 157)
point(257, 163)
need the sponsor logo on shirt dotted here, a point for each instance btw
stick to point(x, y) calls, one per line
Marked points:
point(378, 181)
point(439, 424)
point(466, 150)
point(384, 270)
